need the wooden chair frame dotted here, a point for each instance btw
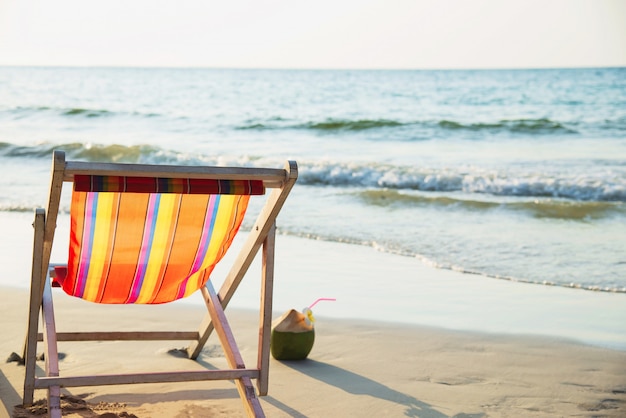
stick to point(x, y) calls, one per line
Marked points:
point(262, 236)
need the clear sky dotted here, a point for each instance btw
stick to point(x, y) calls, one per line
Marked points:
point(314, 34)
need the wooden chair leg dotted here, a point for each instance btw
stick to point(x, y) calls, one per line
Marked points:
point(265, 321)
point(52, 354)
point(233, 356)
point(36, 288)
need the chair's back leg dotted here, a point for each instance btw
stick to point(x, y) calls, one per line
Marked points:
point(36, 291)
point(265, 321)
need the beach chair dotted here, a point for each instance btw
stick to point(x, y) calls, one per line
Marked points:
point(152, 234)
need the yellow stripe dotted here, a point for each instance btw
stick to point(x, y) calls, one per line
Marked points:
point(99, 250)
point(220, 229)
point(160, 246)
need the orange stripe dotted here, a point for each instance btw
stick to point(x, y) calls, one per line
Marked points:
point(132, 211)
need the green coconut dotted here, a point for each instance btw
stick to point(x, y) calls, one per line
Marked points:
point(292, 337)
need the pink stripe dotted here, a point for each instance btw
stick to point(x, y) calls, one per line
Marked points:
point(146, 246)
point(85, 253)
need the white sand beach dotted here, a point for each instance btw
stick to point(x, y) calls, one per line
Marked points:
point(402, 339)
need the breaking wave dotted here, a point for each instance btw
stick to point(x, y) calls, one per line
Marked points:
point(95, 153)
point(565, 186)
point(529, 184)
point(539, 208)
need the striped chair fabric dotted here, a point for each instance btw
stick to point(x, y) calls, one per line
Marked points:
point(150, 240)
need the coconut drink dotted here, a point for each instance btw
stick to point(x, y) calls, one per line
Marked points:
point(293, 334)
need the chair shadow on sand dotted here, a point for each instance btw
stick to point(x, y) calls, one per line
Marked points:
point(347, 381)
point(9, 397)
point(356, 384)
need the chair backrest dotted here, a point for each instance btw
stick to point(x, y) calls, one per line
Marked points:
point(153, 234)
point(150, 240)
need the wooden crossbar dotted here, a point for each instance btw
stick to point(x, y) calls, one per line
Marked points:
point(138, 378)
point(125, 336)
point(271, 177)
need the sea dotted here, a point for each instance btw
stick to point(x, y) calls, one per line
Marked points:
point(513, 175)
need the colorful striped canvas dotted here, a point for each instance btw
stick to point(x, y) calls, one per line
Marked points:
point(147, 247)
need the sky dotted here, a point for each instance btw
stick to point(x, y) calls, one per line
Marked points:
point(358, 34)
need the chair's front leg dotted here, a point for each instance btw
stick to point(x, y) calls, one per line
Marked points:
point(231, 351)
point(52, 354)
point(36, 288)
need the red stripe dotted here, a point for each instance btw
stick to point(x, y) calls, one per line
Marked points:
point(87, 183)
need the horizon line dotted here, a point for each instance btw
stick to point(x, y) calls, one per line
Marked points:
point(200, 67)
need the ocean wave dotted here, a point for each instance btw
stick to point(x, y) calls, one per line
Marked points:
point(327, 125)
point(37, 151)
point(603, 186)
point(26, 208)
point(23, 112)
point(618, 124)
point(86, 152)
point(524, 126)
point(417, 128)
point(351, 125)
point(89, 113)
point(17, 208)
point(539, 208)
point(335, 125)
point(467, 180)
point(143, 154)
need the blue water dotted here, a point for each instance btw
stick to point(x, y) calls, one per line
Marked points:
point(509, 174)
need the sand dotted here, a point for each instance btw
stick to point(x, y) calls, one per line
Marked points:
point(465, 349)
point(355, 369)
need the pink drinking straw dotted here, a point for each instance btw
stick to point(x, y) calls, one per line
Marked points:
point(319, 300)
